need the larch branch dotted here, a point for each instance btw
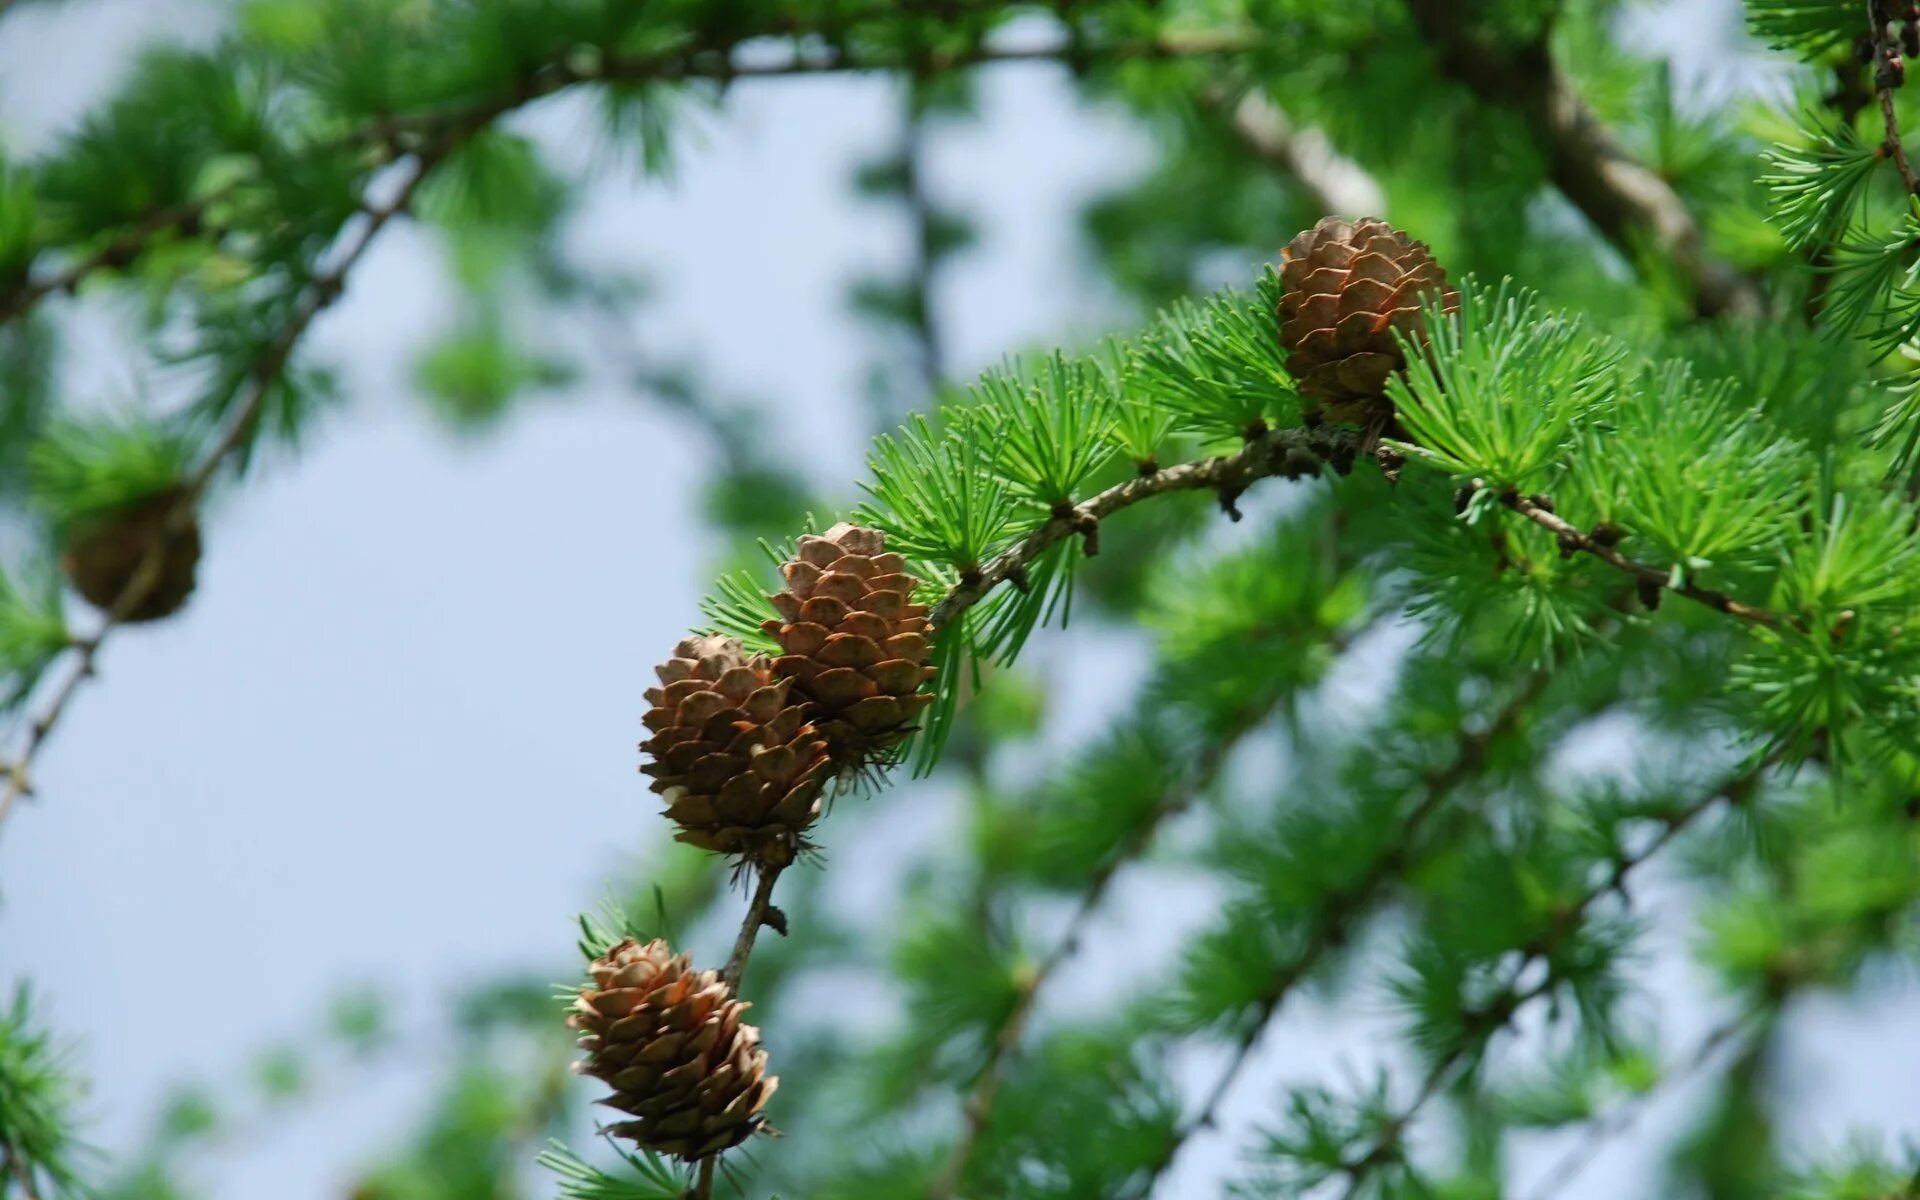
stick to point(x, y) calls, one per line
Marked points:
point(978, 1107)
point(1335, 918)
point(1286, 453)
point(1490, 1017)
point(1334, 183)
point(393, 137)
point(321, 292)
point(1889, 72)
point(1572, 540)
point(1631, 205)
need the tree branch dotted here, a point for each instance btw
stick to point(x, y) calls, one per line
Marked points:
point(979, 1103)
point(1631, 205)
point(1889, 72)
point(1645, 574)
point(1287, 453)
point(1496, 1013)
point(395, 136)
point(1618, 1121)
point(15, 1167)
point(1334, 183)
point(1335, 917)
point(321, 293)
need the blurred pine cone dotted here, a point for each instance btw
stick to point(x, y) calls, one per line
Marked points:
point(733, 755)
point(856, 645)
point(104, 556)
point(1349, 285)
point(670, 1041)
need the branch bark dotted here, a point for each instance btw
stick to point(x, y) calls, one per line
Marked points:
point(1628, 203)
point(1335, 184)
point(1287, 453)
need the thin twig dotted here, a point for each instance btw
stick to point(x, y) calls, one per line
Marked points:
point(1334, 183)
point(322, 291)
point(14, 1165)
point(1888, 74)
point(1572, 539)
point(1628, 202)
point(1494, 1015)
point(1335, 917)
point(757, 910)
point(1286, 453)
point(393, 137)
point(1620, 1120)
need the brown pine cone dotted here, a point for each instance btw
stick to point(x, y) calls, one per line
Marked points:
point(104, 556)
point(735, 758)
point(856, 645)
point(1349, 285)
point(670, 1041)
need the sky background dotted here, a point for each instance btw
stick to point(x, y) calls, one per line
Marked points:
point(392, 737)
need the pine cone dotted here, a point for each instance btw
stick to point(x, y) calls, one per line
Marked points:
point(670, 1042)
point(105, 554)
point(1349, 286)
point(856, 644)
point(739, 765)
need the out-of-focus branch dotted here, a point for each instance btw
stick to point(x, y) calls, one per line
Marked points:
point(393, 137)
point(321, 292)
point(1489, 1017)
point(1336, 917)
point(1621, 1118)
point(1336, 184)
point(1630, 204)
point(979, 1103)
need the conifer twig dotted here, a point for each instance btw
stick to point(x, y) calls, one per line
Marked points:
point(321, 293)
point(1646, 574)
point(14, 1166)
point(1497, 1012)
point(1336, 915)
point(392, 137)
point(759, 912)
point(1287, 453)
point(1334, 183)
point(1888, 74)
point(759, 908)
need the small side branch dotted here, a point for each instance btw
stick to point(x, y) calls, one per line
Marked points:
point(1645, 574)
point(391, 138)
point(1621, 1119)
point(979, 1103)
point(759, 912)
point(1889, 73)
point(1501, 1009)
point(1288, 453)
